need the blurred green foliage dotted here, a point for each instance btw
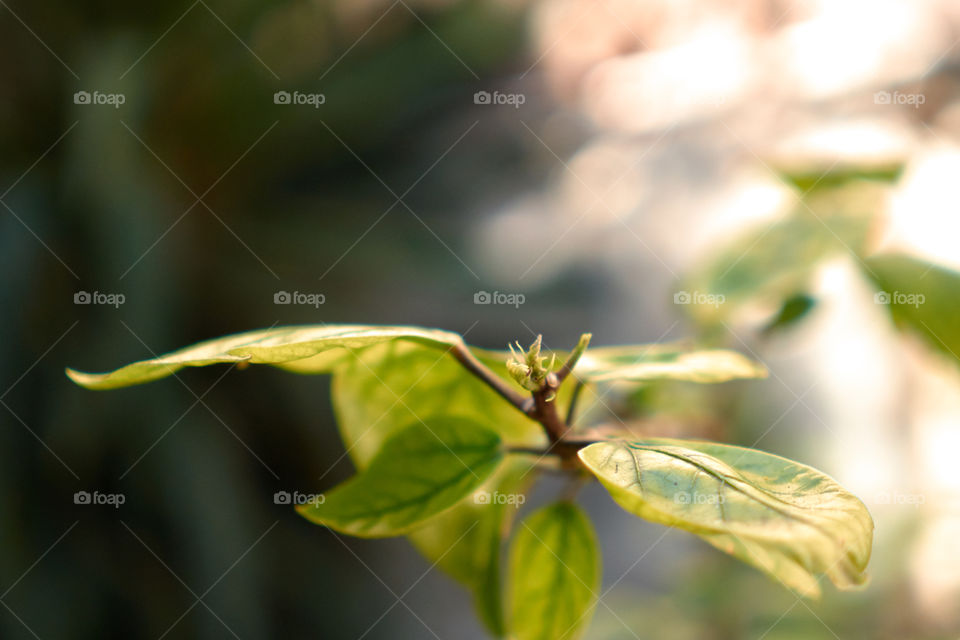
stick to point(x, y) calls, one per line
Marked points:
point(111, 206)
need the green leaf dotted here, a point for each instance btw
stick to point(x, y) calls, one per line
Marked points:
point(770, 263)
point(383, 388)
point(380, 389)
point(465, 542)
point(792, 311)
point(554, 574)
point(787, 519)
point(921, 296)
point(810, 179)
point(644, 363)
point(281, 346)
point(419, 472)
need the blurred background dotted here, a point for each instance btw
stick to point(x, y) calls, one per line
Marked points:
point(774, 176)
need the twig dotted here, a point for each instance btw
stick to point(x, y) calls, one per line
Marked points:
point(463, 355)
point(565, 448)
point(544, 400)
point(541, 405)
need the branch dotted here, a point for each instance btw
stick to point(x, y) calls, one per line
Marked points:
point(469, 361)
point(544, 400)
point(565, 448)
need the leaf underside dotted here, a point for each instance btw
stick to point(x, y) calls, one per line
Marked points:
point(306, 349)
point(644, 363)
point(312, 349)
point(788, 520)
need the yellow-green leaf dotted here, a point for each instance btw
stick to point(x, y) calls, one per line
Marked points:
point(787, 519)
point(645, 363)
point(380, 389)
point(281, 346)
point(554, 574)
point(383, 388)
point(465, 541)
point(922, 297)
point(420, 472)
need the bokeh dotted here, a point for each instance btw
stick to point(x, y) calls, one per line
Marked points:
point(729, 173)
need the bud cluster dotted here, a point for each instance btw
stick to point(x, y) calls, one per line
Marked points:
point(527, 367)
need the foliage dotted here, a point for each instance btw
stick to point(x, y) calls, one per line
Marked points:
point(837, 213)
point(447, 440)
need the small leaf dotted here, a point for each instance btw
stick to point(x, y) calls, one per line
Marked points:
point(419, 472)
point(792, 311)
point(554, 574)
point(280, 346)
point(644, 363)
point(922, 297)
point(787, 519)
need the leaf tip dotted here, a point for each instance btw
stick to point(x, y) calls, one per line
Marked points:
point(83, 379)
point(308, 510)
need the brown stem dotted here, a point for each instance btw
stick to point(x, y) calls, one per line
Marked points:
point(545, 413)
point(542, 406)
point(469, 361)
point(562, 448)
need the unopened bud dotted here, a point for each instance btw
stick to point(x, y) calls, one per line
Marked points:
point(527, 366)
